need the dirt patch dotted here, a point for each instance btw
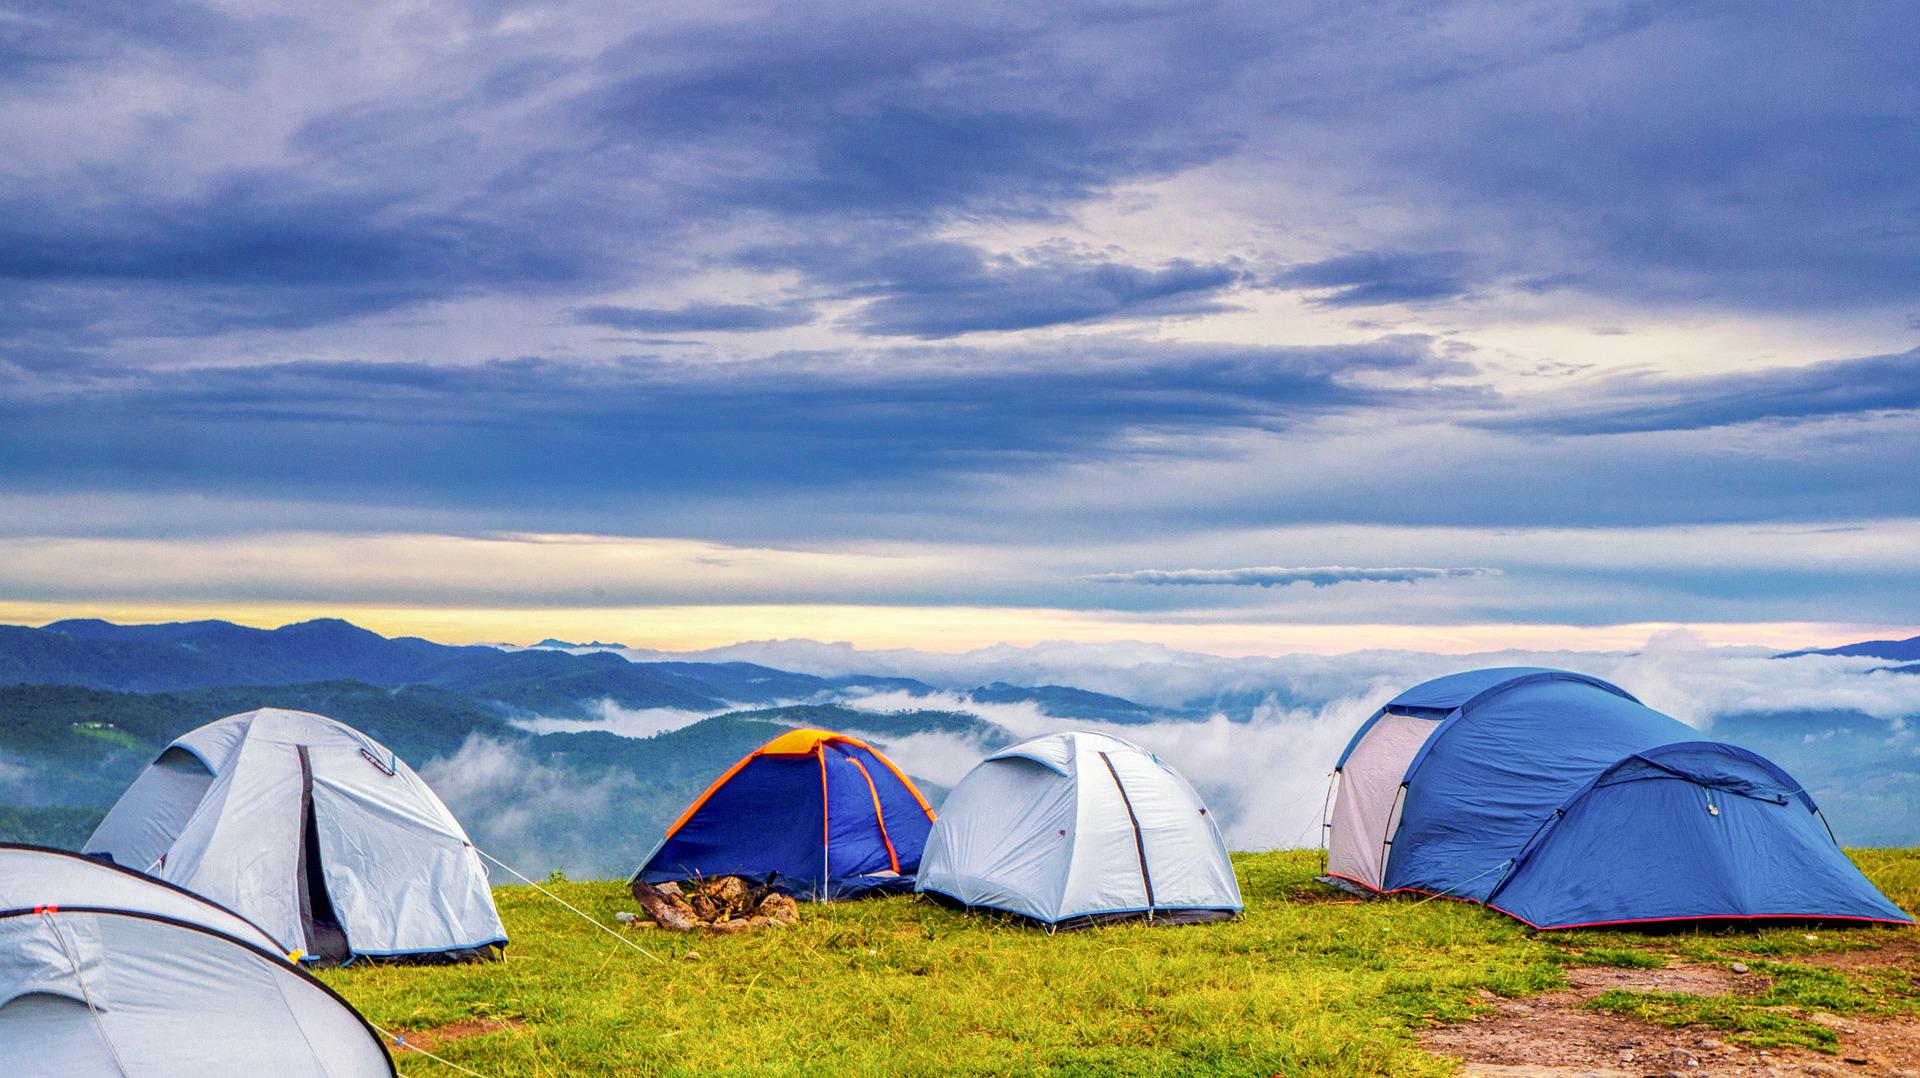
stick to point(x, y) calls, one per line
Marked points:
point(433, 1037)
point(1554, 1036)
point(1902, 950)
point(1590, 981)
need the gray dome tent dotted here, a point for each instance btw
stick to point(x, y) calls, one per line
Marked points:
point(315, 832)
point(105, 972)
point(1076, 829)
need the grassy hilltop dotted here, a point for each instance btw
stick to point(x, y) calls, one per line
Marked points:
point(1306, 983)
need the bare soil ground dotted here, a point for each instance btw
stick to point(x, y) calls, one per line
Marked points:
point(1555, 1036)
point(431, 1039)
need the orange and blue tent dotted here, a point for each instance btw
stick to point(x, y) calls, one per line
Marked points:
point(825, 815)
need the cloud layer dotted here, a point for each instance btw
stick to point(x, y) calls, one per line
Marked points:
point(783, 278)
point(1322, 576)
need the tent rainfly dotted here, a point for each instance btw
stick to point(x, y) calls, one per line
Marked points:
point(107, 973)
point(1562, 801)
point(314, 831)
point(1075, 829)
point(824, 814)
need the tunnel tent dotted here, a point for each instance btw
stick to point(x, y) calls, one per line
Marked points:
point(825, 815)
point(1074, 829)
point(315, 832)
point(1563, 801)
point(106, 972)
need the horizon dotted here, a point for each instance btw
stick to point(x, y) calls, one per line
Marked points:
point(1437, 640)
point(1237, 330)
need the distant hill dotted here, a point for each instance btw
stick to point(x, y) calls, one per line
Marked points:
point(180, 656)
point(586, 801)
point(203, 654)
point(1066, 702)
point(882, 725)
point(1907, 650)
point(62, 745)
point(84, 704)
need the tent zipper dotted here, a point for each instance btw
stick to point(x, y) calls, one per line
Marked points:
point(1139, 840)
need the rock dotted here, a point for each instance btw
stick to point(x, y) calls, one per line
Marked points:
point(779, 908)
point(1818, 1067)
point(1738, 967)
point(691, 956)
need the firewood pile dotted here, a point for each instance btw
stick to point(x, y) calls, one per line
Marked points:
point(715, 904)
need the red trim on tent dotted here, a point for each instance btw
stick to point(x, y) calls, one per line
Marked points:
point(1630, 920)
point(1703, 917)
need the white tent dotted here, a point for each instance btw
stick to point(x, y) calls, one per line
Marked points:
point(1077, 828)
point(106, 973)
point(312, 830)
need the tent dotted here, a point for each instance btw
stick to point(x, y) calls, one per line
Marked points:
point(1561, 800)
point(823, 813)
point(1074, 829)
point(105, 972)
point(314, 831)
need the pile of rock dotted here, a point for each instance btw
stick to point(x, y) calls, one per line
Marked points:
point(715, 904)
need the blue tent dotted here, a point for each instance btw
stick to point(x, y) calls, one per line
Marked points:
point(1562, 801)
point(824, 814)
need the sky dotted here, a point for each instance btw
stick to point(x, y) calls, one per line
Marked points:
point(1240, 328)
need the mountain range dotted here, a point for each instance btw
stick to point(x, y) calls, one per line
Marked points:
point(574, 757)
point(84, 704)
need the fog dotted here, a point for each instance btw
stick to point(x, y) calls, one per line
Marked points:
point(1256, 736)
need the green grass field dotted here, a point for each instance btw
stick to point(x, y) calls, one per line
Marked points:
point(1306, 983)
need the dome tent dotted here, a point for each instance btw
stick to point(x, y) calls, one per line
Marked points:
point(823, 813)
point(1562, 801)
point(315, 832)
point(105, 972)
point(1075, 829)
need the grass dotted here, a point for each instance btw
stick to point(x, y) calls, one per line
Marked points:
point(1305, 984)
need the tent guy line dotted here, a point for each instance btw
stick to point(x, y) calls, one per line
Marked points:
point(576, 910)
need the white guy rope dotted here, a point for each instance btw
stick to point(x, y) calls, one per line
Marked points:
point(583, 916)
point(86, 993)
point(1463, 883)
point(409, 1045)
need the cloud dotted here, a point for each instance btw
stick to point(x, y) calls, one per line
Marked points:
point(1377, 278)
point(1270, 729)
point(52, 39)
point(614, 719)
point(933, 290)
point(696, 317)
point(530, 814)
point(533, 431)
point(1273, 576)
point(1637, 403)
